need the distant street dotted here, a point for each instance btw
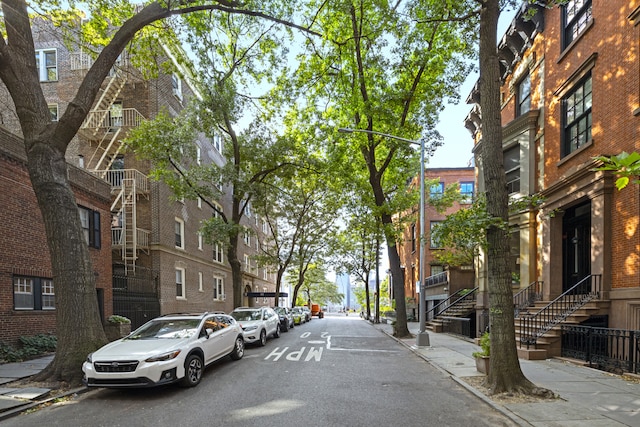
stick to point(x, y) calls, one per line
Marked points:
point(336, 371)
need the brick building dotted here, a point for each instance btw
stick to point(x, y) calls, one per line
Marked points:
point(571, 92)
point(161, 263)
point(440, 280)
point(27, 289)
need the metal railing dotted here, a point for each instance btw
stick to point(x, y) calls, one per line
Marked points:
point(457, 326)
point(142, 237)
point(116, 177)
point(612, 350)
point(436, 279)
point(463, 295)
point(527, 297)
point(102, 119)
point(536, 325)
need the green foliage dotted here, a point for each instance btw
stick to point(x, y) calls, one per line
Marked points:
point(116, 319)
point(485, 346)
point(626, 165)
point(30, 346)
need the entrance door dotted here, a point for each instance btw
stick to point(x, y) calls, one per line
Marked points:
point(576, 245)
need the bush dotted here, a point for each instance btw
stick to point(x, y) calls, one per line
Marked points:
point(30, 347)
point(118, 319)
point(485, 346)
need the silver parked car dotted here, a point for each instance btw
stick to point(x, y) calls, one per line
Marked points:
point(257, 323)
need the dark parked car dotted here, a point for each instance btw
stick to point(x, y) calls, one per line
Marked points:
point(286, 318)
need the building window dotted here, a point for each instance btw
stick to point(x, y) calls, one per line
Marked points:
point(265, 227)
point(176, 86)
point(218, 288)
point(436, 269)
point(180, 291)
point(576, 111)
point(198, 155)
point(436, 190)
point(413, 237)
point(47, 65)
point(523, 96)
point(576, 15)
point(90, 222)
point(116, 115)
point(200, 288)
point(247, 263)
point(511, 158)
point(53, 111)
point(434, 243)
point(265, 274)
point(217, 253)
point(179, 233)
point(247, 238)
point(33, 293)
point(466, 191)
point(217, 142)
point(199, 240)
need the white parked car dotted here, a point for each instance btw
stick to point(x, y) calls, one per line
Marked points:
point(167, 349)
point(257, 323)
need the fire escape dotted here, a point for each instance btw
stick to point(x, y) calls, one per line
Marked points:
point(106, 125)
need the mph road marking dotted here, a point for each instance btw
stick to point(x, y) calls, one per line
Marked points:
point(314, 353)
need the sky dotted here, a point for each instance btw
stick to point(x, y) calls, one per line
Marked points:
point(458, 143)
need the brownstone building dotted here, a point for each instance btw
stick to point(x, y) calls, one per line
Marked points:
point(27, 288)
point(571, 92)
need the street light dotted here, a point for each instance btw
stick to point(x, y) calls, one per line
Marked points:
point(422, 339)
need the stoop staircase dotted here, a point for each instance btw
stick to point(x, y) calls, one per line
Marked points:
point(538, 324)
point(461, 304)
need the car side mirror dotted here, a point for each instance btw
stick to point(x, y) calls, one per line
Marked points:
point(209, 332)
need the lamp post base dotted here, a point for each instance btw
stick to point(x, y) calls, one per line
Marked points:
point(422, 339)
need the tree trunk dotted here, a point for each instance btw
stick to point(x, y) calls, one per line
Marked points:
point(505, 373)
point(79, 330)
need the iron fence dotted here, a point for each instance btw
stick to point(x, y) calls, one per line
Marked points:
point(135, 295)
point(458, 325)
point(612, 350)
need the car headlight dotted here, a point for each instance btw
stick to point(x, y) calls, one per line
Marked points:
point(250, 328)
point(89, 357)
point(164, 356)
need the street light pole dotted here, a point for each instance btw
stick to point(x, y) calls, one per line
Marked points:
point(422, 339)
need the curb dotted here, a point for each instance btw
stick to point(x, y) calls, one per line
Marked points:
point(34, 404)
point(504, 411)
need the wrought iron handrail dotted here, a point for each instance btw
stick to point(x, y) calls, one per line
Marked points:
point(533, 327)
point(527, 297)
point(436, 279)
point(458, 297)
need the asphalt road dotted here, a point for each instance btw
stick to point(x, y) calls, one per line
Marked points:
point(336, 371)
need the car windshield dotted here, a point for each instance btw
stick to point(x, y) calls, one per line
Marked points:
point(166, 329)
point(280, 310)
point(246, 315)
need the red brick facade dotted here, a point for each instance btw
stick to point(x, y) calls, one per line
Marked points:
point(23, 247)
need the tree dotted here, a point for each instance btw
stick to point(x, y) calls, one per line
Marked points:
point(382, 68)
point(626, 165)
point(46, 143)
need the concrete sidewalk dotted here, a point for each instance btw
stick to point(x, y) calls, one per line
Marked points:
point(588, 397)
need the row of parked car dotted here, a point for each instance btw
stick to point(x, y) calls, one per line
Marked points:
point(178, 347)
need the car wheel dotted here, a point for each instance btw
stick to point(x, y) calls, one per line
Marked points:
point(263, 338)
point(276, 334)
point(193, 368)
point(238, 349)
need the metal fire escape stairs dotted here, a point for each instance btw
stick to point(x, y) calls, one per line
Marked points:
point(100, 127)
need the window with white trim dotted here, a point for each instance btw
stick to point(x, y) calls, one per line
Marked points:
point(436, 190)
point(53, 111)
point(179, 233)
point(247, 238)
point(180, 283)
point(466, 191)
point(218, 288)
point(47, 64)
point(218, 255)
point(176, 86)
point(434, 243)
point(200, 239)
point(200, 288)
point(33, 293)
point(247, 263)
